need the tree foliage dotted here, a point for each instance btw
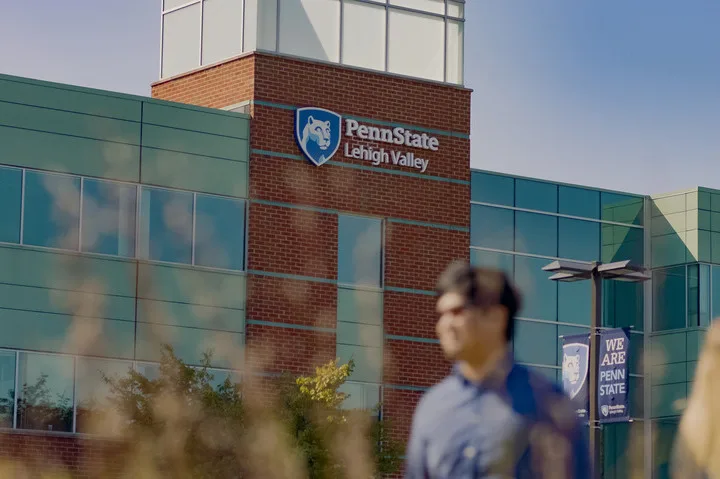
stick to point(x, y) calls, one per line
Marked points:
point(187, 425)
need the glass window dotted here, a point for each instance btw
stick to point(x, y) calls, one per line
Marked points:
point(621, 208)
point(416, 45)
point(108, 218)
point(220, 232)
point(7, 388)
point(181, 40)
point(535, 343)
point(669, 298)
point(536, 195)
point(266, 25)
point(620, 243)
point(698, 295)
point(579, 202)
point(704, 296)
point(11, 198)
point(539, 294)
point(359, 306)
point(493, 189)
point(222, 30)
point(491, 227)
point(578, 240)
point(491, 259)
point(359, 250)
point(310, 28)
point(432, 6)
point(454, 62)
point(45, 399)
point(623, 304)
point(536, 233)
point(94, 413)
point(359, 48)
point(574, 302)
point(361, 395)
point(166, 223)
point(637, 351)
point(455, 9)
point(715, 292)
point(368, 362)
point(52, 210)
point(663, 433)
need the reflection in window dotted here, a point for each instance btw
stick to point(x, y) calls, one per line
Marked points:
point(579, 202)
point(220, 232)
point(620, 243)
point(715, 292)
point(361, 395)
point(664, 431)
point(359, 48)
point(7, 388)
point(416, 45)
point(669, 298)
point(493, 189)
point(578, 240)
point(535, 342)
point(45, 398)
point(52, 210)
point(94, 413)
point(359, 250)
point(166, 225)
point(491, 227)
point(698, 295)
point(108, 218)
point(621, 208)
point(536, 234)
point(11, 200)
point(539, 294)
point(491, 259)
point(359, 306)
point(536, 195)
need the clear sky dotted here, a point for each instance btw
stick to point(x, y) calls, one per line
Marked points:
point(621, 94)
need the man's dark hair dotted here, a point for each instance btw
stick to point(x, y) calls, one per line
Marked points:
point(482, 288)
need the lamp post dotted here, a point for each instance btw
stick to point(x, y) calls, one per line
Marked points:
point(570, 271)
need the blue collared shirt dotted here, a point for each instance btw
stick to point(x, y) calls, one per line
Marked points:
point(515, 424)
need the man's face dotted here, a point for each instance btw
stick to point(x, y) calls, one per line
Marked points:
point(467, 332)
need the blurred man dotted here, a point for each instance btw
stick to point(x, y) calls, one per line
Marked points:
point(490, 418)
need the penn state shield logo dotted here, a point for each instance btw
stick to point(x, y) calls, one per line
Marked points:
point(576, 359)
point(317, 131)
point(605, 410)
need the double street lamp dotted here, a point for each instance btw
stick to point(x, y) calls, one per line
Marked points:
point(571, 271)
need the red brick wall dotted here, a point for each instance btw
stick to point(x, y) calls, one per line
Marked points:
point(290, 241)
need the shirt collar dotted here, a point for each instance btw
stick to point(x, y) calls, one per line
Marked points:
point(497, 377)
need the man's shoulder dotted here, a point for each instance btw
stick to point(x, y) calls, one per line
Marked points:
point(438, 394)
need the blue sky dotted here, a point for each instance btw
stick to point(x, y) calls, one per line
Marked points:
point(621, 94)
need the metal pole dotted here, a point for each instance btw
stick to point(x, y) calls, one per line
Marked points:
point(595, 320)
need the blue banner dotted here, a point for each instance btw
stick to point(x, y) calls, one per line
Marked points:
point(613, 376)
point(575, 371)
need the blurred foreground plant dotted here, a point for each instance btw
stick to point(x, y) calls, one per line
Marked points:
point(179, 425)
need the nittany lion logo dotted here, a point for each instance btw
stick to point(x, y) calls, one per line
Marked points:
point(575, 367)
point(317, 131)
point(605, 410)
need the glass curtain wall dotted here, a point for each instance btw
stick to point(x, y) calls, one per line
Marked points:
point(417, 38)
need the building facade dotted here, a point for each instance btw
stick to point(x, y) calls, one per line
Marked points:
point(289, 195)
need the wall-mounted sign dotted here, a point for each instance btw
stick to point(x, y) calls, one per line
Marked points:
point(613, 376)
point(575, 371)
point(319, 132)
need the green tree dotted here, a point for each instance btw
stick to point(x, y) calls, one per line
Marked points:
point(183, 426)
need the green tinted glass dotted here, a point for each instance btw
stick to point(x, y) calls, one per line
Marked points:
point(539, 293)
point(669, 298)
point(52, 210)
point(579, 202)
point(359, 250)
point(715, 292)
point(220, 232)
point(623, 304)
point(491, 259)
point(620, 243)
point(11, 198)
point(621, 208)
point(535, 343)
point(45, 399)
point(536, 234)
point(93, 410)
point(108, 218)
point(493, 189)
point(491, 227)
point(574, 300)
point(536, 195)
point(578, 240)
